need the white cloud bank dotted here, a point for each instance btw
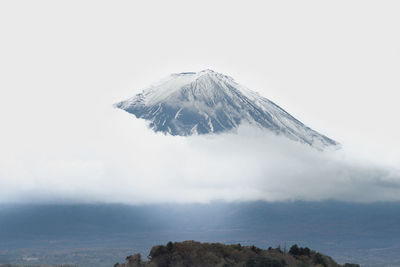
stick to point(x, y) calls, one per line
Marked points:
point(118, 159)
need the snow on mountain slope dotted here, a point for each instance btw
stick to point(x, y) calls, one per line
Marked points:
point(209, 102)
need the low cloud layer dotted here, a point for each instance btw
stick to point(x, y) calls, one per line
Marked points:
point(118, 159)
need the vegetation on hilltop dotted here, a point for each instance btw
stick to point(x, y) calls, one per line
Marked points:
point(196, 254)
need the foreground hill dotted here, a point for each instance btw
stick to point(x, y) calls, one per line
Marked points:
point(196, 254)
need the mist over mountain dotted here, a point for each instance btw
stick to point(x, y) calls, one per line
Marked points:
point(208, 102)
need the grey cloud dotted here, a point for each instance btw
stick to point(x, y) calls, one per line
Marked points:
point(126, 162)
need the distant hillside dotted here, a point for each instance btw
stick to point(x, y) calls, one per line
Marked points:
point(196, 254)
point(99, 235)
point(18, 265)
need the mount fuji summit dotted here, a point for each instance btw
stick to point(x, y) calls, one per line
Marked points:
point(208, 102)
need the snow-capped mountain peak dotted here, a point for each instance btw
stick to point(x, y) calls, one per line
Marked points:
point(209, 102)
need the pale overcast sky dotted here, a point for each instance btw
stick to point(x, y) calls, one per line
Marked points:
point(334, 65)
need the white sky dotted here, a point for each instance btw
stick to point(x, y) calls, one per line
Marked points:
point(334, 65)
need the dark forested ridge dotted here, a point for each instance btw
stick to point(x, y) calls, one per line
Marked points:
point(196, 254)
